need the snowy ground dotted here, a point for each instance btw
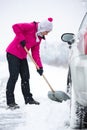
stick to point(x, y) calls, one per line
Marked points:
point(49, 115)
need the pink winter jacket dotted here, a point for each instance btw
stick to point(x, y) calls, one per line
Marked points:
point(27, 32)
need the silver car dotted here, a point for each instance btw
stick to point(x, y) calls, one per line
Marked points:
point(77, 75)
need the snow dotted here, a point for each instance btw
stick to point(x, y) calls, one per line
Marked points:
point(48, 115)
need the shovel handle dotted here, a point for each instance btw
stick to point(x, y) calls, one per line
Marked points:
point(38, 68)
point(48, 83)
point(31, 57)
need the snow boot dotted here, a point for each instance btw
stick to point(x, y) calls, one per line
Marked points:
point(31, 101)
point(13, 106)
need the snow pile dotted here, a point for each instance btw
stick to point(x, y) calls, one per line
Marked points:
point(48, 115)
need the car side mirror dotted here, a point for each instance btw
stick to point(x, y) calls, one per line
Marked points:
point(68, 37)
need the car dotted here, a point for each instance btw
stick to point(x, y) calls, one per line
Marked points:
point(77, 75)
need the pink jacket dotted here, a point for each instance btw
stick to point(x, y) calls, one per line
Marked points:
point(25, 31)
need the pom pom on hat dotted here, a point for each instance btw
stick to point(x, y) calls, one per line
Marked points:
point(50, 19)
point(45, 25)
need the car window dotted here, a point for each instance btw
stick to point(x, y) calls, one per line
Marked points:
point(83, 24)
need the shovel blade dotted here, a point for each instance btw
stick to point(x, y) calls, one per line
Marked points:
point(58, 96)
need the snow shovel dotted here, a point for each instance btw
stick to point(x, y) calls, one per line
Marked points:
point(58, 96)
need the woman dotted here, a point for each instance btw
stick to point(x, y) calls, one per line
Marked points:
point(29, 35)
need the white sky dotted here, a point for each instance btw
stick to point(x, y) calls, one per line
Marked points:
point(67, 15)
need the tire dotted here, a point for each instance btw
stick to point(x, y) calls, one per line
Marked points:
point(78, 116)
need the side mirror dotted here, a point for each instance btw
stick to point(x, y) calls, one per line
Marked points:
point(68, 37)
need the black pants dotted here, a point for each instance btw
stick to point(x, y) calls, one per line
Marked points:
point(16, 67)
